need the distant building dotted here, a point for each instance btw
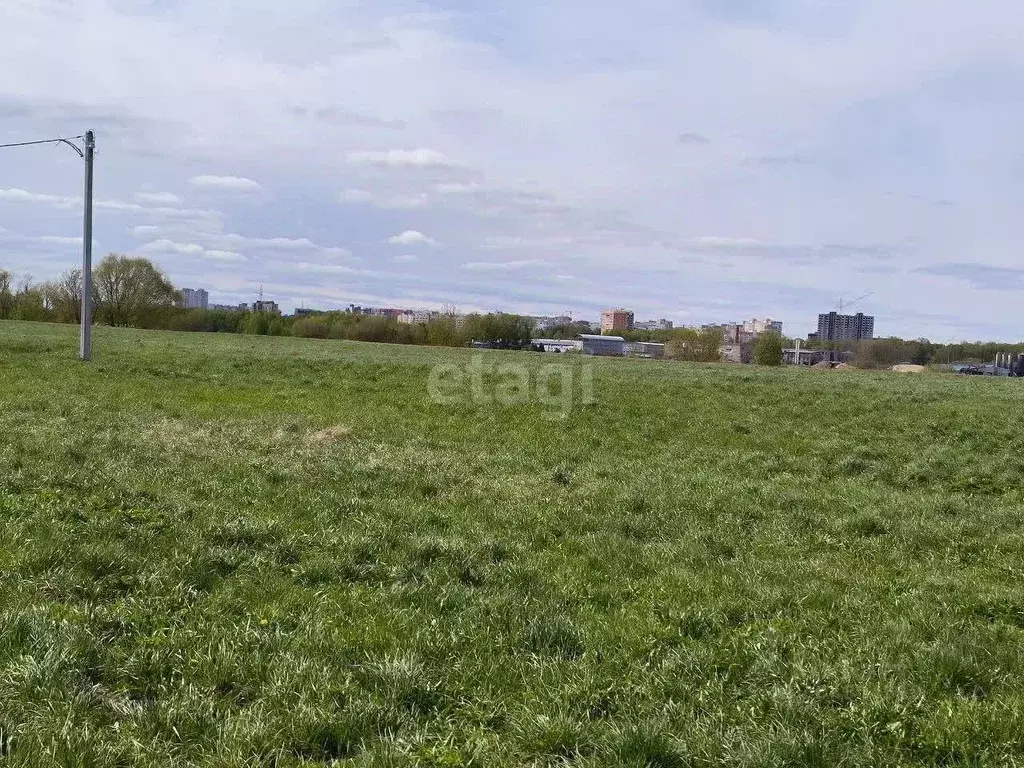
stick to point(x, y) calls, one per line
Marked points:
point(410, 317)
point(614, 320)
point(195, 298)
point(835, 327)
point(557, 345)
point(546, 323)
point(736, 333)
point(645, 349)
point(304, 312)
point(800, 355)
point(738, 352)
point(654, 325)
point(227, 307)
point(602, 346)
point(270, 307)
point(763, 326)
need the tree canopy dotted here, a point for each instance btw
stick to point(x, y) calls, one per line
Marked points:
point(128, 289)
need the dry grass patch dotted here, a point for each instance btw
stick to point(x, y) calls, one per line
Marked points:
point(329, 435)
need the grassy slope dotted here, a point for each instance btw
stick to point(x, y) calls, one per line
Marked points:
point(709, 566)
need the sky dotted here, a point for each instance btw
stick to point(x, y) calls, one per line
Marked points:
point(697, 160)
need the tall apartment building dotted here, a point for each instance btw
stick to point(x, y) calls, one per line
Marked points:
point(195, 298)
point(836, 327)
point(614, 320)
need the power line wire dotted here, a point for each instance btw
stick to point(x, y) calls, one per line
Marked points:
point(43, 141)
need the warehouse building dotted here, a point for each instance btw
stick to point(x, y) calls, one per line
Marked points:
point(602, 346)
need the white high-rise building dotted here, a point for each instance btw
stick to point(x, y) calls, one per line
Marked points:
point(763, 326)
point(195, 298)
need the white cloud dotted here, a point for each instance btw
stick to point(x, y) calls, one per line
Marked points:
point(224, 256)
point(402, 158)
point(507, 242)
point(330, 269)
point(193, 250)
point(456, 187)
point(726, 242)
point(405, 258)
point(226, 183)
point(279, 244)
point(233, 242)
point(23, 196)
point(112, 206)
point(159, 198)
point(502, 266)
point(404, 202)
point(168, 246)
point(411, 237)
point(57, 240)
point(353, 195)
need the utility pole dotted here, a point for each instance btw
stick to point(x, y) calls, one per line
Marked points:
point(90, 152)
point(88, 156)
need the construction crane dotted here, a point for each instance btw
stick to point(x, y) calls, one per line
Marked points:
point(847, 304)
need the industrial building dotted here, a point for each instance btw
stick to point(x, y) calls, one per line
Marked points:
point(602, 346)
point(557, 345)
point(738, 352)
point(645, 349)
point(195, 298)
point(800, 355)
point(615, 320)
point(835, 327)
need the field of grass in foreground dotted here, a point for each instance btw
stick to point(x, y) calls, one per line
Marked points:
point(246, 551)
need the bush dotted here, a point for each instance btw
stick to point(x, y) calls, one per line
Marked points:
point(317, 327)
point(768, 349)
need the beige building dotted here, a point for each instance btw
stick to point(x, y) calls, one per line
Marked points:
point(767, 325)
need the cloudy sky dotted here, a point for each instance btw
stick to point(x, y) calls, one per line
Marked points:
point(700, 160)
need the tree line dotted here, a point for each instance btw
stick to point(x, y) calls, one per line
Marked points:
point(134, 292)
point(126, 292)
point(885, 353)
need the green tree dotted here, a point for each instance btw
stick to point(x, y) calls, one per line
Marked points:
point(64, 296)
point(131, 291)
point(443, 332)
point(6, 296)
point(29, 302)
point(500, 328)
point(256, 323)
point(768, 349)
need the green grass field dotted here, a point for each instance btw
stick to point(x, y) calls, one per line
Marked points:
point(247, 551)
